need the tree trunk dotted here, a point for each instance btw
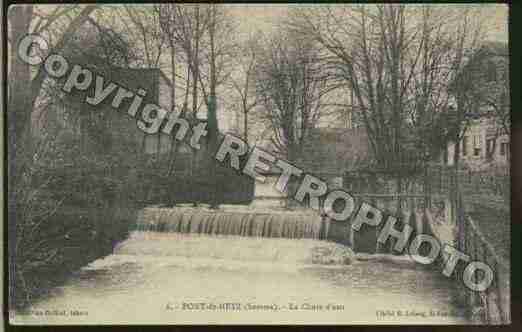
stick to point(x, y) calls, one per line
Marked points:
point(212, 110)
point(18, 120)
point(172, 103)
point(399, 192)
point(20, 103)
point(454, 188)
point(195, 66)
point(173, 76)
point(245, 127)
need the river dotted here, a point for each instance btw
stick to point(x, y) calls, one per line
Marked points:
point(170, 278)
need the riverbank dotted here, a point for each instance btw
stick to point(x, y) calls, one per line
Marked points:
point(72, 238)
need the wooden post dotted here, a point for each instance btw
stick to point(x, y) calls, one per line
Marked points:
point(485, 297)
point(475, 257)
point(469, 304)
point(496, 271)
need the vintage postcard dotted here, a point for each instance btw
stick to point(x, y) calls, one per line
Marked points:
point(258, 164)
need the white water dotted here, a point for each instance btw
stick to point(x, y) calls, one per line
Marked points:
point(152, 277)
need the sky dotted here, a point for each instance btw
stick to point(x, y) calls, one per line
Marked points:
point(498, 22)
point(265, 16)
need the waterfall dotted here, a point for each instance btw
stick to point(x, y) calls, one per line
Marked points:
point(241, 222)
point(298, 224)
point(295, 236)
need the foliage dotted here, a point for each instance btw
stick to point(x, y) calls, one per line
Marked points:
point(65, 215)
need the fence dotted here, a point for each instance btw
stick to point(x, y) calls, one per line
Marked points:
point(493, 305)
point(494, 182)
point(488, 183)
point(488, 307)
point(490, 187)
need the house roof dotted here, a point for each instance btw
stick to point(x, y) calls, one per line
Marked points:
point(147, 79)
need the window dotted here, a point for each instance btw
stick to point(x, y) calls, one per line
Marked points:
point(465, 146)
point(476, 145)
point(503, 148)
point(490, 143)
point(491, 74)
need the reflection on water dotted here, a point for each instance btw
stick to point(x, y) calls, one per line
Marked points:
point(168, 278)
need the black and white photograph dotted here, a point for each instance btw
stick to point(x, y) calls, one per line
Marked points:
point(257, 164)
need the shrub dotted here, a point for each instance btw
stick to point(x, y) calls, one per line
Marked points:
point(68, 212)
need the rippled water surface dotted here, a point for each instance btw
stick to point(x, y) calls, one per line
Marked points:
point(168, 278)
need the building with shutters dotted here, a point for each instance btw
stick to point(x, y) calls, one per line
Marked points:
point(485, 137)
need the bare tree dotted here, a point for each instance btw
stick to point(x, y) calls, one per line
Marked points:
point(244, 85)
point(219, 51)
point(146, 24)
point(184, 27)
point(399, 62)
point(202, 34)
point(291, 86)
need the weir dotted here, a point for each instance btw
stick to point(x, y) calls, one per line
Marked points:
point(276, 222)
point(240, 221)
